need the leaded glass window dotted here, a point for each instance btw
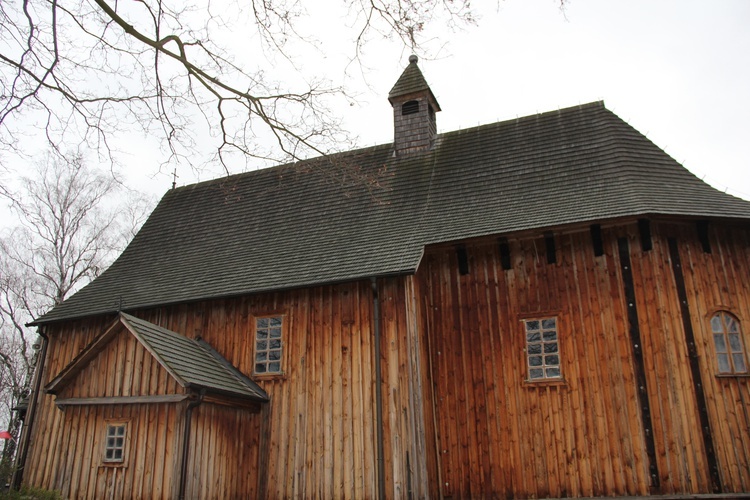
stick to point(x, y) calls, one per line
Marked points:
point(268, 345)
point(730, 350)
point(542, 349)
point(114, 444)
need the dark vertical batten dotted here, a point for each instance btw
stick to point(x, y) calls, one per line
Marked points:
point(549, 243)
point(687, 325)
point(596, 240)
point(463, 260)
point(644, 231)
point(504, 253)
point(639, 365)
point(702, 227)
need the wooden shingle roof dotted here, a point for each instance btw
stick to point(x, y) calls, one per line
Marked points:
point(194, 364)
point(410, 82)
point(367, 213)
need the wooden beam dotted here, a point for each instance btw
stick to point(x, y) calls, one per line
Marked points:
point(644, 230)
point(596, 240)
point(638, 362)
point(463, 260)
point(122, 400)
point(702, 227)
point(504, 254)
point(708, 444)
point(549, 243)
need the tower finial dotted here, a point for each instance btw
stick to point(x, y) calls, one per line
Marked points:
point(413, 59)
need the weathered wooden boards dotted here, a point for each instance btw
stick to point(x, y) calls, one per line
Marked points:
point(498, 434)
point(715, 281)
point(316, 437)
point(459, 417)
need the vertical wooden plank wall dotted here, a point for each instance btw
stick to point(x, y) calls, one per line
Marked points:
point(224, 453)
point(681, 458)
point(720, 281)
point(67, 444)
point(321, 419)
point(320, 423)
point(43, 455)
point(403, 391)
point(497, 434)
point(316, 437)
point(459, 418)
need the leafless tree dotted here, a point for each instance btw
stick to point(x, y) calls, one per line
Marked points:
point(70, 227)
point(17, 354)
point(88, 69)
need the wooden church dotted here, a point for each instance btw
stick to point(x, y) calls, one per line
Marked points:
point(542, 307)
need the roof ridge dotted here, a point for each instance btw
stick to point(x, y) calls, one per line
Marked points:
point(366, 149)
point(277, 231)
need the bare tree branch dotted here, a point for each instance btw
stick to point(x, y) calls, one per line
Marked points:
point(92, 69)
point(69, 230)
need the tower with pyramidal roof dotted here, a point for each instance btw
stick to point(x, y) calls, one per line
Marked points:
point(414, 108)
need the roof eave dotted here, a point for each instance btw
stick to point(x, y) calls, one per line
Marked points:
point(149, 305)
point(195, 387)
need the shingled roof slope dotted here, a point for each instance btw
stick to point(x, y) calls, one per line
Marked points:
point(308, 223)
point(194, 363)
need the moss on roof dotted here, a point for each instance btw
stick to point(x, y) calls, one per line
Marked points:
point(367, 213)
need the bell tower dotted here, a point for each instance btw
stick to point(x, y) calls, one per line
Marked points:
point(414, 108)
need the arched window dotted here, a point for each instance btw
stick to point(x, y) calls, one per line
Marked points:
point(730, 351)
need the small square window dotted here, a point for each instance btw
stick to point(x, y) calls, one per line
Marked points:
point(114, 444)
point(542, 349)
point(268, 345)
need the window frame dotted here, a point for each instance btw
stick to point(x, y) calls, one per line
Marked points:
point(123, 447)
point(729, 350)
point(281, 349)
point(541, 329)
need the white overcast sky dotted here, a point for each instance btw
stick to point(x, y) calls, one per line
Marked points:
point(678, 71)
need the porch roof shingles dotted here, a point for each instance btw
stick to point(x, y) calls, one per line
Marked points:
point(309, 223)
point(192, 362)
